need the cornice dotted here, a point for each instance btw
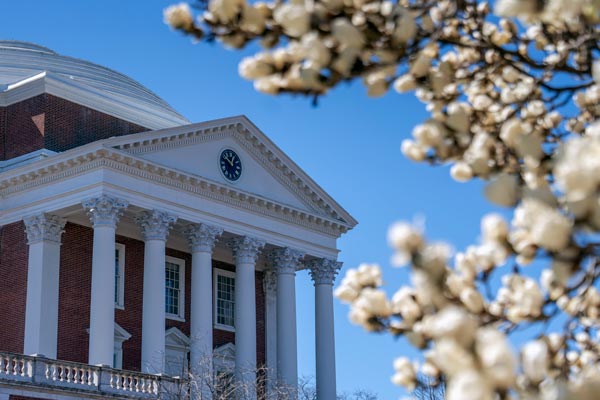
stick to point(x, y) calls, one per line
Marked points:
point(257, 144)
point(90, 157)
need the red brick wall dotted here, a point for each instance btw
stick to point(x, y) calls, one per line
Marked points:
point(47, 121)
point(22, 128)
point(74, 296)
point(13, 286)
point(70, 125)
point(13, 397)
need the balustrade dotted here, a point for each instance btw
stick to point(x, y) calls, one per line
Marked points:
point(57, 375)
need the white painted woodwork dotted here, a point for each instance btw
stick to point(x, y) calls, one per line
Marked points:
point(155, 227)
point(245, 251)
point(104, 212)
point(41, 311)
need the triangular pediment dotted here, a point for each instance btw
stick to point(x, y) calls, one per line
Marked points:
point(176, 339)
point(266, 171)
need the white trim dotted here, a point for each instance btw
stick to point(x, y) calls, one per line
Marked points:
point(120, 304)
point(181, 263)
point(216, 273)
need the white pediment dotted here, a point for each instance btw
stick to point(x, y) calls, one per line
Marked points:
point(202, 159)
point(266, 171)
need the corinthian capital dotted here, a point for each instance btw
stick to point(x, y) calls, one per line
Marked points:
point(44, 227)
point(202, 237)
point(104, 210)
point(285, 260)
point(246, 249)
point(324, 270)
point(155, 224)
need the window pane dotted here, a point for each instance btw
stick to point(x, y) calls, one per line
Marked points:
point(225, 300)
point(117, 278)
point(172, 294)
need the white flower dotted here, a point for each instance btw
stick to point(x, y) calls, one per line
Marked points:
point(405, 30)
point(403, 303)
point(178, 16)
point(405, 83)
point(511, 131)
point(269, 84)
point(429, 134)
point(316, 50)
point(596, 71)
point(413, 150)
point(253, 20)
point(535, 360)
point(405, 237)
point(226, 10)
point(347, 34)
point(450, 357)
point(294, 19)
point(461, 172)
point(503, 190)
point(252, 68)
point(458, 117)
point(496, 357)
point(405, 373)
point(472, 300)
point(576, 170)
point(369, 275)
point(420, 66)
point(469, 384)
point(494, 228)
point(452, 323)
point(547, 227)
point(373, 302)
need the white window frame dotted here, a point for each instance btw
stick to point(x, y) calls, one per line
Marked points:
point(120, 303)
point(216, 274)
point(181, 263)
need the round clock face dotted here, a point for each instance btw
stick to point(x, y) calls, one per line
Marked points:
point(230, 165)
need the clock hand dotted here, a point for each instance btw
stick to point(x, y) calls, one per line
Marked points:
point(229, 161)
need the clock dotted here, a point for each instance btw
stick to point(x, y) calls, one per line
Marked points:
point(230, 165)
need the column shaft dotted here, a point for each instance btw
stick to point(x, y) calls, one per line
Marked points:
point(41, 311)
point(104, 213)
point(245, 319)
point(323, 272)
point(201, 314)
point(325, 342)
point(155, 226)
point(153, 309)
point(245, 251)
point(102, 306)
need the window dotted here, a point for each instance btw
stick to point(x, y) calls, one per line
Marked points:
point(174, 288)
point(225, 300)
point(119, 276)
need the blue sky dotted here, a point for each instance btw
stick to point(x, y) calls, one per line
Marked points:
point(349, 144)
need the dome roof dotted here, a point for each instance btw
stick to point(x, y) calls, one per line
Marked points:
point(27, 68)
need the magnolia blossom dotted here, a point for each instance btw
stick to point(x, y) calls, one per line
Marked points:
point(512, 91)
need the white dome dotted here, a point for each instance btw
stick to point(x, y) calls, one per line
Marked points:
point(84, 83)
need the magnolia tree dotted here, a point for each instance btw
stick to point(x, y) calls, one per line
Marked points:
point(513, 90)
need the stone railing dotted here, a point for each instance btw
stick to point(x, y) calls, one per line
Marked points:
point(66, 375)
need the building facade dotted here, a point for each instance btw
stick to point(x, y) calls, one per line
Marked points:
point(137, 247)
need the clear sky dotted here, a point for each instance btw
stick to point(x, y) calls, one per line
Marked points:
point(349, 144)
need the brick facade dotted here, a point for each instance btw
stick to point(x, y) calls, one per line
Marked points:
point(46, 121)
point(75, 290)
point(50, 122)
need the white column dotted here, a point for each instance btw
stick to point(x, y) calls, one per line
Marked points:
point(323, 272)
point(41, 310)
point(285, 261)
point(245, 252)
point(202, 239)
point(270, 286)
point(155, 226)
point(104, 213)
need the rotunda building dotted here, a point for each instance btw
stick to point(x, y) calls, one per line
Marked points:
point(144, 256)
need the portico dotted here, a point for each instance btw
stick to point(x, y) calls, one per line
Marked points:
point(143, 187)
